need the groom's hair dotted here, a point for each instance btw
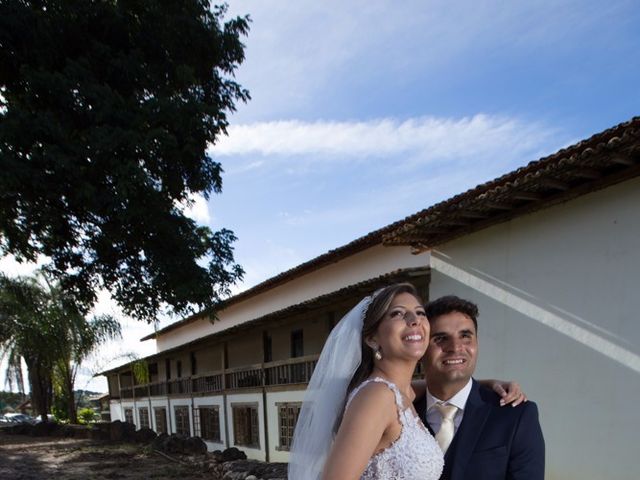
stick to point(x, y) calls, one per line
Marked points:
point(449, 304)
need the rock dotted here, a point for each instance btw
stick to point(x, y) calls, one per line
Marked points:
point(195, 446)
point(158, 442)
point(144, 435)
point(174, 443)
point(233, 453)
point(216, 455)
point(120, 431)
point(245, 469)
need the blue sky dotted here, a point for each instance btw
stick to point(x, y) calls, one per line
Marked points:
point(364, 112)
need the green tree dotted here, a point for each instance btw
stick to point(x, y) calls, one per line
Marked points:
point(43, 326)
point(106, 111)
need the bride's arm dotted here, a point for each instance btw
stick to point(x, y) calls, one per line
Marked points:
point(363, 426)
point(510, 392)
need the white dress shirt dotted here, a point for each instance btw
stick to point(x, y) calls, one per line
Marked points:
point(434, 419)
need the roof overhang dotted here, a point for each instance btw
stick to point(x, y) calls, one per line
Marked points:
point(604, 159)
point(352, 292)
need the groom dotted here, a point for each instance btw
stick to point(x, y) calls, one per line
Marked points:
point(481, 440)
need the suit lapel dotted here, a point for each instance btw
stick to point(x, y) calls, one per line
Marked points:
point(476, 412)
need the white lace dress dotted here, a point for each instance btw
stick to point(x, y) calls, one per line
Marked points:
point(414, 455)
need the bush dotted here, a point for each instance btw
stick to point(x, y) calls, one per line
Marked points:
point(87, 415)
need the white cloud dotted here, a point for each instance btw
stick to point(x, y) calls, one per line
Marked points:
point(198, 210)
point(431, 138)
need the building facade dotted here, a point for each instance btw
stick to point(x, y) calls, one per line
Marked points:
point(549, 252)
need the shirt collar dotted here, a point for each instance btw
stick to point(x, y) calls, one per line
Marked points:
point(459, 399)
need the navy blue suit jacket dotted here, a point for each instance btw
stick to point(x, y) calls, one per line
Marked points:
point(493, 442)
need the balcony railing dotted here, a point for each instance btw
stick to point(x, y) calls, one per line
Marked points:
point(207, 383)
point(244, 377)
point(178, 386)
point(126, 393)
point(294, 370)
point(283, 372)
point(157, 389)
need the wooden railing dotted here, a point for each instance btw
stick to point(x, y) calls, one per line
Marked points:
point(283, 372)
point(126, 393)
point(157, 389)
point(244, 377)
point(178, 386)
point(293, 370)
point(141, 391)
point(207, 383)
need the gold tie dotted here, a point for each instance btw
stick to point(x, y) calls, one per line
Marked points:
point(445, 434)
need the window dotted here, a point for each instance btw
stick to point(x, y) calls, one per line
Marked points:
point(128, 415)
point(297, 344)
point(287, 417)
point(153, 372)
point(161, 419)
point(206, 421)
point(267, 347)
point(194, 365)
point(245, 424)
point(182, 420)
point(179, 369)
point(143, 415)
point(167, 368)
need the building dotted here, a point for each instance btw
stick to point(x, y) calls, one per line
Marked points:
point(550, 254)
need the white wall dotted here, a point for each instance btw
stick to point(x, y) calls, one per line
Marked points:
point(116, 411)
point(365, 265)
point(559, 304)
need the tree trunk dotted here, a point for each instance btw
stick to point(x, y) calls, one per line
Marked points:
point(41, 388)
point(71, 398)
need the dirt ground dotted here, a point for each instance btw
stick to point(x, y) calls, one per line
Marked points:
point(38, 458)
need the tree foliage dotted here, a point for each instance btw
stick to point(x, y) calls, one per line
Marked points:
point(107, 109)
point(87, 415)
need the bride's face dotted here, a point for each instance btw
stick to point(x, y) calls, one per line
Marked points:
point(404, 329)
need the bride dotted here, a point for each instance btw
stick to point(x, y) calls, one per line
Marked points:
point(358, 420)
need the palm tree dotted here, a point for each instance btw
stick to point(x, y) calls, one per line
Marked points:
point(24, 334)
point(77, 340)
point(43, 327)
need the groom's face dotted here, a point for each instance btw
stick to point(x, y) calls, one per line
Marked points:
point(453, 350)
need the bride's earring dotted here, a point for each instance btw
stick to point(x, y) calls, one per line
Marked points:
point(377, 353)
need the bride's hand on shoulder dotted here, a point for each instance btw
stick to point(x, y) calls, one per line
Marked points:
point(510, 392)
point(369, 415)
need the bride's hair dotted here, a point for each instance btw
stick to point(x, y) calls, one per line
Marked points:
point(378, 307)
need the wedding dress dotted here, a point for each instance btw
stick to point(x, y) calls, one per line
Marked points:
point(414, 455)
